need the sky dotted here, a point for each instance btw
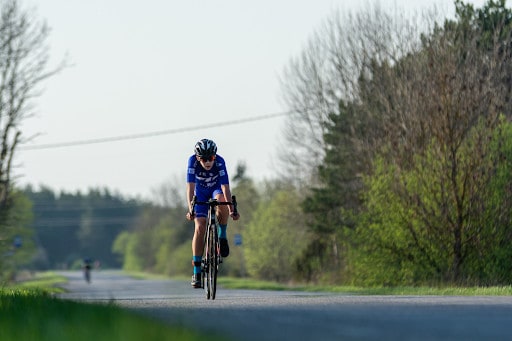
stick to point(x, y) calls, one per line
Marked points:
point(151, 77)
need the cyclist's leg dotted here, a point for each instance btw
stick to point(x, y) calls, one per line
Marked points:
point(198, 238)
point(222, 216)
point(201, 212)
point(197, 250)
point(222, 210)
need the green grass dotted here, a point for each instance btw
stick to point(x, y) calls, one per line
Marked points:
point(29, 311)
point(419, 291)
point(44, 281)
point(237, 283)
point(245, 283)
point(32, 314)
point(251, 284)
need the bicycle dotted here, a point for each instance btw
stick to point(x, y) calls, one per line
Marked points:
point(211, 254)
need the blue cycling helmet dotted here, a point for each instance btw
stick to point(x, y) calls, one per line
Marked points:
point(205, 148)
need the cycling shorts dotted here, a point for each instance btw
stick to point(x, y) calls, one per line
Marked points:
point(205, 194)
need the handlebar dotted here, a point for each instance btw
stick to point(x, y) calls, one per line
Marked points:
point(214, 202)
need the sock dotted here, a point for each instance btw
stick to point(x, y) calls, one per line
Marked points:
point(222, 231)
point(196, 259)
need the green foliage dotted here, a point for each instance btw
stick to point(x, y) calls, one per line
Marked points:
point(275, 237)
point(248, 198)
point(408, 234)
point(157, 242)
point(493, 21)
point(16, 243)
point(391, 248)
point(125, 245)
point(174, 250)
point(489, 258)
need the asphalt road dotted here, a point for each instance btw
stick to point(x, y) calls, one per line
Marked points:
point(276, 315)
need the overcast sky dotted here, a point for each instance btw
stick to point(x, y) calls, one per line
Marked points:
point(155, 69)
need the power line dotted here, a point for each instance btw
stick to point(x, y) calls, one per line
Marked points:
point(77, 222)
point(153, 133)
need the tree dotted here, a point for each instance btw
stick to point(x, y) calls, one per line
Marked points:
point(18, 237)
point(440, 108)
point(248, 198)
point(332, 204)
point(427, 236)
point(23, 66)
point(326, 74)
point(335, 90)
point(275, 237)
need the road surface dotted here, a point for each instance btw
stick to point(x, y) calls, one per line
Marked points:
point(285, 315)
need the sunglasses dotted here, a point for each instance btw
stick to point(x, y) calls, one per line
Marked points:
point(206, 159)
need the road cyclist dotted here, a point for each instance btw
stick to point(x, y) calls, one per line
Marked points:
point(207, 178)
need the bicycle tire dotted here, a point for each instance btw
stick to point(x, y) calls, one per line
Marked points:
point(215, 262)
point(207, 264)
point(212, 260)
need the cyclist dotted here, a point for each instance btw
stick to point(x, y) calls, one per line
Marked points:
point(87, 266)
point(207, 178)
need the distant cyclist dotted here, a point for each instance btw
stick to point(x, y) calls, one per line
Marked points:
point(87, 266)
point(207, 178)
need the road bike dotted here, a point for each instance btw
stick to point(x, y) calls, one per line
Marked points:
point(211, 254)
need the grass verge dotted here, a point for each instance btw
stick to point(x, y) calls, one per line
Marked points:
point(42, 281)
point(238, 283)
point(29, 311)
point(251, 284)
point(32, 314)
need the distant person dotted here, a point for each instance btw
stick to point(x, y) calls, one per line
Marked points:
point(87, 266)
point(207, 178)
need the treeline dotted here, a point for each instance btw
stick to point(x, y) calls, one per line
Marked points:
point(69, 227)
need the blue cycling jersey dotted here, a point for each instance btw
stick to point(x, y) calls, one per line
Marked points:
point(207, 182)
point(203, 178)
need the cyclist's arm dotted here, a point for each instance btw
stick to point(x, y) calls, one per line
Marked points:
point(191, 186)
point(227, 196)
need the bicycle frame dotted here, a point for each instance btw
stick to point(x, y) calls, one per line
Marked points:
point(211, 255)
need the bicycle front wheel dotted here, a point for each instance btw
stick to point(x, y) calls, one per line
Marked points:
point(207, 263)
point(212, 261)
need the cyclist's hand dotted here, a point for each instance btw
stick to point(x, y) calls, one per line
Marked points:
point(190, 216)
point(234, 215)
